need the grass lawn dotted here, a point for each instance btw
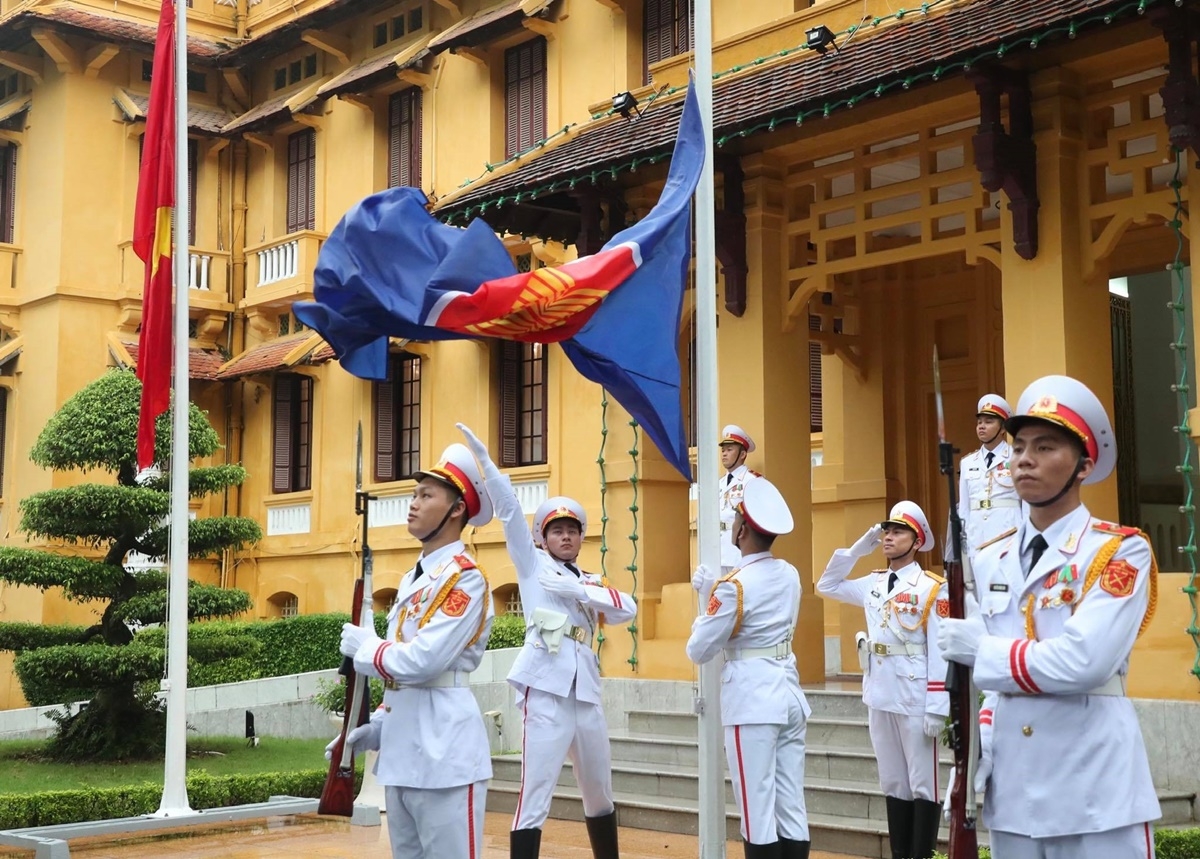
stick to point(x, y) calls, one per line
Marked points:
point(21, 771)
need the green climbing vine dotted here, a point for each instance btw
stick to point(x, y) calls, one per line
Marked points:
point(1182, 389)
point(603, 504)
point(633, 540)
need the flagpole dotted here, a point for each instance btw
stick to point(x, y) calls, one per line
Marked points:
point(174, 795)
point(712, 764)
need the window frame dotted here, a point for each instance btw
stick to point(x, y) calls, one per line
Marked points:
point(397, 419)
point(525, 95)
point(301, 171)
point(524, 403)
point(291, 448)
point(405, 133)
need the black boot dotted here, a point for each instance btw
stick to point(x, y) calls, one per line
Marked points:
point(602, 832)
point(774, 850)
point(900, 825)
point(794, 849)
point(524, 843)
point(927, 819)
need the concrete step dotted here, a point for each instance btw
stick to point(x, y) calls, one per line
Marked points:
point(832, 832)
point(821, 733)
point(836, 705)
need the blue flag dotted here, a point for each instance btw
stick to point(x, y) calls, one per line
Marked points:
point(389, 269)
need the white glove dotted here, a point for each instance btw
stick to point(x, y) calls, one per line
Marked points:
point(353, 637)
point(479, 449)
point(949, 793)
point(959, 639)
point(567, 587)
point(702, 580)
point(364, 738)
point(934, 725)
point(868, 542)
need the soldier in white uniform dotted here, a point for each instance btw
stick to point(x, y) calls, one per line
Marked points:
point(556, 675)
point(904, 675)
point(434, 760)
point(987, 501)
point(751, 615)
point(735, 444)
point(1063, 597)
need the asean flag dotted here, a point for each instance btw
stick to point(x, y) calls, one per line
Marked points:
point(389, 269)
point(152, 237)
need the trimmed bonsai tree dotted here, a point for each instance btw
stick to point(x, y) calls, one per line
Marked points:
point(89, 530)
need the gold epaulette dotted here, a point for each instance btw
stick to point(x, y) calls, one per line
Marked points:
point(996, 539)
point(939, 579)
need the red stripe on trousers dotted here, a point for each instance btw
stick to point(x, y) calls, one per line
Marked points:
point(521, 792)
point(470, 821)
point(935, 771)
point(737, 742)
point(1149, 842)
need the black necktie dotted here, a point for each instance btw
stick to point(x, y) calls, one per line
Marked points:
point(418, 572)
point(572, 568)
point(1038, 544)
point(729, 478)
point(892, 581)
point(990, 457)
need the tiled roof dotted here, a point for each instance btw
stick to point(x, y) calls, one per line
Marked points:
point(113, 28)
point(322, 353)
point(486, 24)
point(268, 113)
point(282, 38)
point(783, 89)
point(202, 363)
point(375, 70)
point(204, 120)
point(271, 355)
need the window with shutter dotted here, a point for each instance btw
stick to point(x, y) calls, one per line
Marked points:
point(522, 403)
point(301, 181)
point(816, 415)
point(666, 30)
point(193, 165)
point(293, 415)
point(524, 96)
point(398, 419)
point(8, 193)
point(404, 139)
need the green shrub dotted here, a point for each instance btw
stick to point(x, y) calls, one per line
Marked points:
point(204, 791)
point(331, 694)
point(508, 630)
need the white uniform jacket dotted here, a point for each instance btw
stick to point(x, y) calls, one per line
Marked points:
point(575, 663)
point(755, 606)
point(988, 504)
point(731, 497)
point(1055, 635)
point(906, 673)
point(433, 736)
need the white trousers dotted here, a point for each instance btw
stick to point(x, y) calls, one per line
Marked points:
point(1128, 842)
point(446, 823)
point(766, 763)
point(908, 760)
point(556, 728)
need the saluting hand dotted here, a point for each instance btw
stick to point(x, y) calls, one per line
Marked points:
point(868, 542)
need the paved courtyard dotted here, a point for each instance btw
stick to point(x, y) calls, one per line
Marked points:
point(309, 837)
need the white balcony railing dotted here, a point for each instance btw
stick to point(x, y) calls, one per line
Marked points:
point(390, 510)
point(289, 519)
point(199, 272)
point(278, 262)
point(531, 494)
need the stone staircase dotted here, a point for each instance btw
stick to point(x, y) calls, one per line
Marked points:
point(655, 778)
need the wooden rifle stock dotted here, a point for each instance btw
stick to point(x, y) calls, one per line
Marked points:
point(964, 701)
point(337, 796)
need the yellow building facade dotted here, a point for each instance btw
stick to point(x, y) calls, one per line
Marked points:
point(856, 232)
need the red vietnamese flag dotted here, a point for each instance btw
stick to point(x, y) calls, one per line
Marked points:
point(152, 237)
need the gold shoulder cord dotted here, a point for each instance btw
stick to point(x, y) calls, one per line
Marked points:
point(737, 622)
point(487, 595)
point(439, 599)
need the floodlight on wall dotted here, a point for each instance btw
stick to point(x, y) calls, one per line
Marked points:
point(820, 38)
point(626, 104)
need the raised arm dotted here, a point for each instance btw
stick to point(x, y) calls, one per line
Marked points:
point(833, 581)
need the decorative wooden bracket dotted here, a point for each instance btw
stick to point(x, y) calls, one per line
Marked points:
point(827, 312)
point(1181, 92)
point(1007, 159)
point(598, 222)
point(731, 234)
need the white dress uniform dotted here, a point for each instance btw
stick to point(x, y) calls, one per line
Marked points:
point(557, 674)
point(751, 616)
point(904, 677)
point(987, 501)
point(733, 486)
point(1054, 663)
point(434, 760)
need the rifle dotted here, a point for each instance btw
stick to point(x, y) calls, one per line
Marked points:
point(337, 796)
point(964, 698)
